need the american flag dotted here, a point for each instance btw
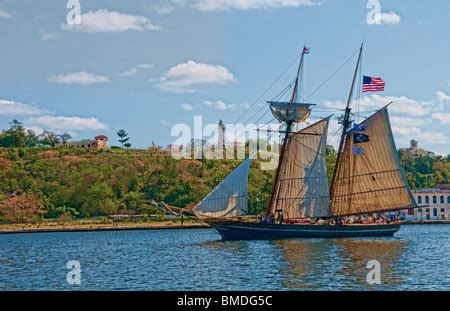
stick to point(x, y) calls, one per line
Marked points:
point(371, 84)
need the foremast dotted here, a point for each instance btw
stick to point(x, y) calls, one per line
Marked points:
point(285, 116)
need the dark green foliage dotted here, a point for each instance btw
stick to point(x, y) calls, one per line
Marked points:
point(85, 183)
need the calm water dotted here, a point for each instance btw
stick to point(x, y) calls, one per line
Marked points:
point(418, 258)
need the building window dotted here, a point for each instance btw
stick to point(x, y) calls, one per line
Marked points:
point(441, 199)
point(435, 213)
point(442, 210)
point(427, 210)
point(420, 210)
point(419, 199)
point(434, 199)
point(448, 199)
point(427, 200)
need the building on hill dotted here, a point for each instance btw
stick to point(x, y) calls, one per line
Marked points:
point(435, 204)
point(415, 150)
point(99, 142)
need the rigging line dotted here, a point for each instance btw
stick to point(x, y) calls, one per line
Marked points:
point(332, 75)
point(283, 92)
point(256, 122)
point(267, 90)
point(332, 137)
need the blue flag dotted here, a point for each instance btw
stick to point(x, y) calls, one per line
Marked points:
point(359, 151)
point(359, 127)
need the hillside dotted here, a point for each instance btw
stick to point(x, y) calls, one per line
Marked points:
point(85, 183)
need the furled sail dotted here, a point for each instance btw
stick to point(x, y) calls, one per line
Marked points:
point(369, 177)
point(290, 111)
point(229, 198)
point(303, 184)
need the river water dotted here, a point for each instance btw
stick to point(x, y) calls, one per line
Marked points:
point(417, 258)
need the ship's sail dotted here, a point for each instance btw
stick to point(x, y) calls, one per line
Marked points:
point(286, 112)
point(369, 177)
point(229, 198)
point(303, 185)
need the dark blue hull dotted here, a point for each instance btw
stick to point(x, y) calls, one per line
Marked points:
point(261, 231)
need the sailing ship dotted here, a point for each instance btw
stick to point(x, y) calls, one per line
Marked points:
point(366, 180)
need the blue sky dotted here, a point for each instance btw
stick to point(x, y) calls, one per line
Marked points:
point(147, 65)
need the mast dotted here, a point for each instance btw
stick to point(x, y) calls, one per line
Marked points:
point(286, 137)
point(345, 123)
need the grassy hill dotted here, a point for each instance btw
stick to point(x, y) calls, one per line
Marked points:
point(55, 182)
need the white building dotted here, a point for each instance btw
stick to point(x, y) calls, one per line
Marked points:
point(436, 202)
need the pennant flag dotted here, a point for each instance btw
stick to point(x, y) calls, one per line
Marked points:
point(306, 50)
point(359, 151)
point(359, 127)
point(371, 84)
point(360, 138)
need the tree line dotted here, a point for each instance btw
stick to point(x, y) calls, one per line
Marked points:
point(19, 137)
point(37, 181)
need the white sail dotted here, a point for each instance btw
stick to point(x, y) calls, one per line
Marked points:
point(303, 184)
point(290, 111)
point(229, 198)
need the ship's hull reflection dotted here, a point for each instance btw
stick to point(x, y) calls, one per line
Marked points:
point(339, 263)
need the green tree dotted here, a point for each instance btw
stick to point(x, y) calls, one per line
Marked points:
point(14, 137)
point(31, 139)
point(123, 137)
point(65, 138)
point(49, 139)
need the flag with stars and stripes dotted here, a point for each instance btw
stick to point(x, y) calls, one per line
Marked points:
point(371, 84)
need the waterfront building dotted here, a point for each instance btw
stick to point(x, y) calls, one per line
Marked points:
point(436, 204)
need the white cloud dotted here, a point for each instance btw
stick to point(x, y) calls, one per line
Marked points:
point(12, 108)
point(406, 121)
point(225, 5)
point(443, 118)
point(219, 105)
point(82, 77)
point(442, 97)
point(110, 21)
point(145, 66)
point(166, 8)
point(390, 18)
point(222, 106)
point(46, 36)
point(164, 123)
point(406, 133)
point(187, 107)
point(129, 73)
point(133, 71)
point(181, 78)
point(409, 118)
point(5, 14)
point(400, 104)
point(62, 123)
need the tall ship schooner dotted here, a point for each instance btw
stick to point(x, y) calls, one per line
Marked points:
point(366, 182)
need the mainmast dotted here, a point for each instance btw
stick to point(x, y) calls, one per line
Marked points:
point(346, 122)
point(292, 108)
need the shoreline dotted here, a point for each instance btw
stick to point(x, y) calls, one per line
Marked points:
point(126, 226)
point(55, 228)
